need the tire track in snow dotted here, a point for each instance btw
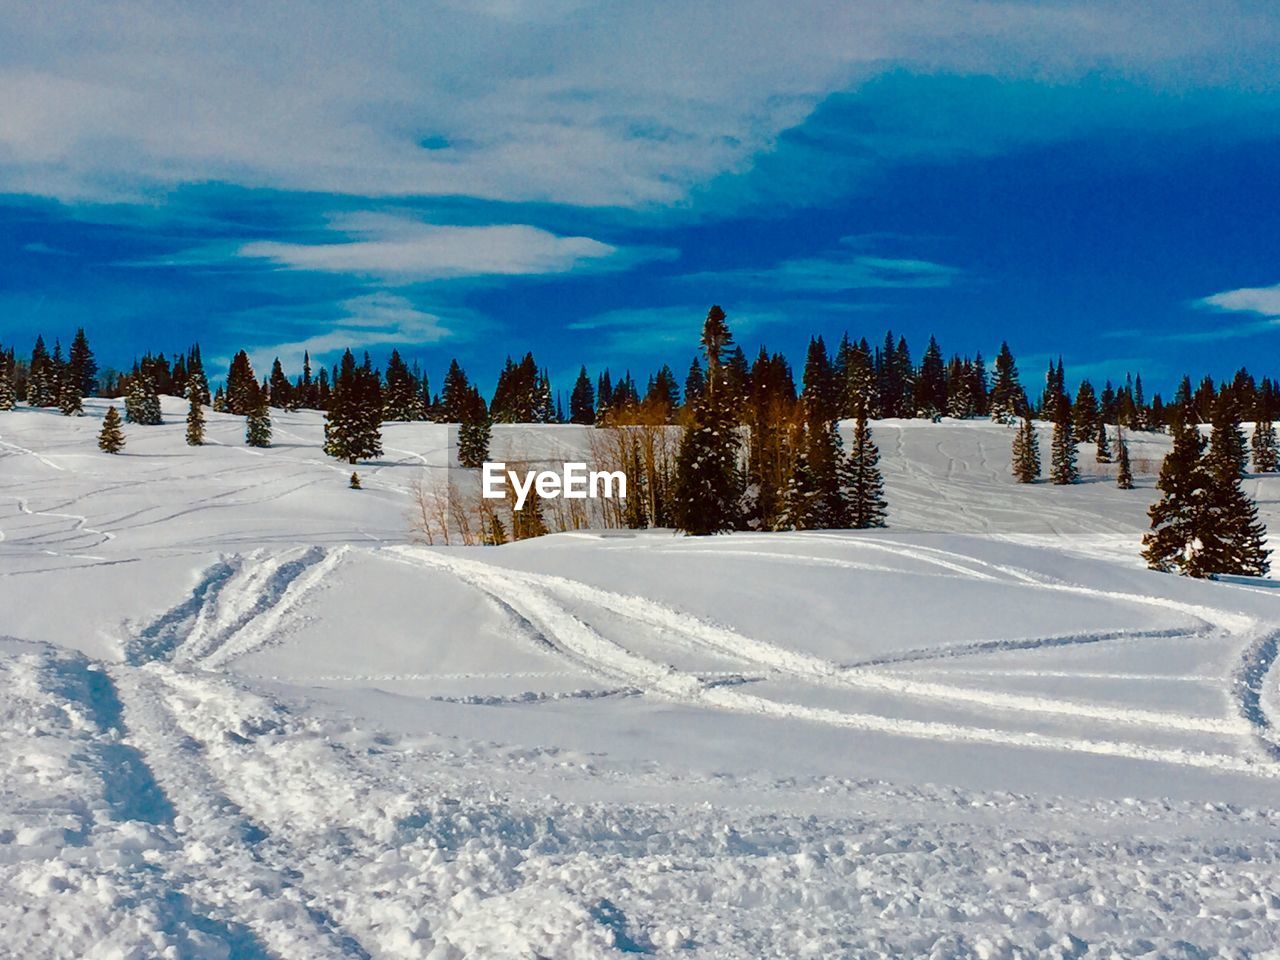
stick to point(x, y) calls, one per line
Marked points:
point(527, 595)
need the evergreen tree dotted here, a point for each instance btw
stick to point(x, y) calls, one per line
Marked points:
point(1228, 454)
point(69, 396)
point(582, 402)
point(978, 386)
point(281, 390)
point(770, 416)
point(257, 429)
point(544, 406)
point(242, 386)
point(111, 438)
point(1103, 452)
point(195, 415)
point(142, 402)
point(474, 432)
point(1178, 518)
point(353, 421)
point(1006, 402)
point(40, 377)
point(1084, 412)
point(196, 375)
point(663, 395)
point(695, 384)
point(307, 386)
point(931, 388)
point(1124, 477)
point(1234, 539)
point(856, 368)
point(219, 401)
point(456, 396)
point(1026, 453)
point(819, 496)
point(354, 482)
point(960, 400)
point(400, 399)
point(8, 391)
point(1062, 465)
point(1266, 452)
point(81, 367)
point(709, 482)
point(863, 482)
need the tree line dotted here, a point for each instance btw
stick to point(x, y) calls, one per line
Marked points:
point(756, 450)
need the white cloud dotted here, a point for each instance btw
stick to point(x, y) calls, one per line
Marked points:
point(1264, 301)
point(398, 249)
point(372, 320)
point(593, 103)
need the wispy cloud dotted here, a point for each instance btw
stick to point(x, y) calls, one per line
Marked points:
point(1264, 301)
point(573, 102)
point(838, 271)
point(1254, 310)
point(379, 319)
point(398, 249)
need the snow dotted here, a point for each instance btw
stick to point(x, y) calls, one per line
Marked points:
point(245, 715)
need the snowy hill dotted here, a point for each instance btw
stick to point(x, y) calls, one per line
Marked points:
point(245, 715)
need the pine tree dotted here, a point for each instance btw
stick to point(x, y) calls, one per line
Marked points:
point(196, 374)
point(257, 429)
point(219, 401)
point(354, 483)
point(1228, 453)
point(111, 438)
point(242, 386)
point(863, 482)
point(582, 402)
point(8, 392)
point(456, 396)
point(1007, 401)
point(709, 482)
point(1124, 477)
point(695, 384)
point(1084, 412)
point(195, 414)
point(1062, 466)
point(819, 495)
point(69, 396)
point(353, 420)
point(1178, 518)
point(1026, 453)
point(40, 377)
point(81, 367)
point(142, 402)
point(474, 432)
point(280, 389)
point(1103, 452)
point(1234, 538)
point(1266, 451)
point(931, 388)
point(400, 401)
point(858, 378)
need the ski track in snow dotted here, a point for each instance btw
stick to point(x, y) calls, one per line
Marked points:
point(531, 597)
point(237, 606)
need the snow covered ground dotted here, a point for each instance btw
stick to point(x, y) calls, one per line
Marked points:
point(243, 715)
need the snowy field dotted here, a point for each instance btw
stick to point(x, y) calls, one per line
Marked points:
point(242, 714)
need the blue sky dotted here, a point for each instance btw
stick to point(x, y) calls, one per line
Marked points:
point(583, 179)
